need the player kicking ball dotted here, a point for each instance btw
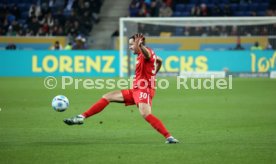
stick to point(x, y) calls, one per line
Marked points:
point(142, 93)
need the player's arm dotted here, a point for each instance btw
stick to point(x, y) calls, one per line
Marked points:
point(158, 64)
point(145, 51)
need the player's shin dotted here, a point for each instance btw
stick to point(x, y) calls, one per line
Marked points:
point(158, 125)
point(96, 108)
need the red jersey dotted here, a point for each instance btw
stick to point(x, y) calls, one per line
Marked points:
point(145, 71)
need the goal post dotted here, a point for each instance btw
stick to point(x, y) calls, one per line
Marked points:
point(167, 31)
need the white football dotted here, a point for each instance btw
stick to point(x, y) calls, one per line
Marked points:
point(60, 103)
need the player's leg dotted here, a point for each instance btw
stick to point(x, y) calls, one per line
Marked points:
point(145, 111)
point(114, 96)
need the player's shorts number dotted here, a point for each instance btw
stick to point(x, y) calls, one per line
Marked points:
point(143, 95)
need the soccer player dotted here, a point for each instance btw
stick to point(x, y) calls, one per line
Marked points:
point(142, 93)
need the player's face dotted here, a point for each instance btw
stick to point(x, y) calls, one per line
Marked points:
point(132, 45)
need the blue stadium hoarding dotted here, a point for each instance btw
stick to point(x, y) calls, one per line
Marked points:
point(233, 61)
point(106, 63)
point(58, 63)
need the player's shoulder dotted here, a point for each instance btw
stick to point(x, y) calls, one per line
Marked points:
point(150, 50)
point(152, 53)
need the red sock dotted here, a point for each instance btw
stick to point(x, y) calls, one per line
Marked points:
point(96, 108)
point(158, 125)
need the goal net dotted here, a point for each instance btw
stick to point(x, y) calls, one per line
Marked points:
point(196, 34)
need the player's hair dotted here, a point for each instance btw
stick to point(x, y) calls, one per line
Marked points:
point(133, 37)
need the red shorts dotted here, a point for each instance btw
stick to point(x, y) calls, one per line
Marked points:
point(135, 96)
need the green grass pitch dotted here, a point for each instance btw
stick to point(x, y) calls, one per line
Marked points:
point(213, 126)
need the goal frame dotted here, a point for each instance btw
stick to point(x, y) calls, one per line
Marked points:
point(191, 21)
